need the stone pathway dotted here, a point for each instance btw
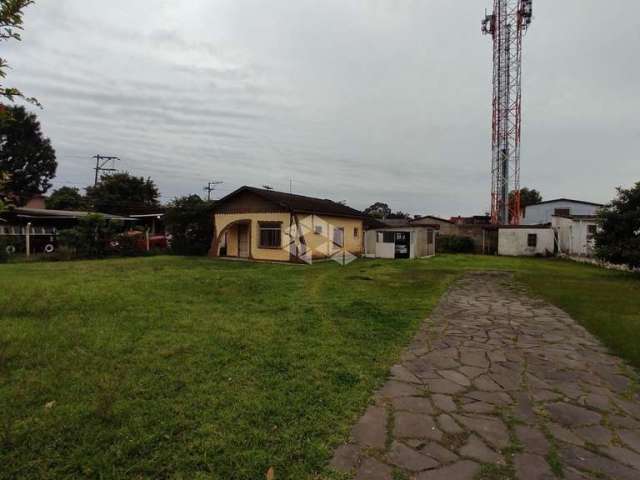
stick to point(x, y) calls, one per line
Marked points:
point(499, 385)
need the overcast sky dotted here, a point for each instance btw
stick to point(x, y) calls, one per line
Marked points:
point(356, 100)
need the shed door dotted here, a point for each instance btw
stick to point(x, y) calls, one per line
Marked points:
point(403, 242)
point(243, 241)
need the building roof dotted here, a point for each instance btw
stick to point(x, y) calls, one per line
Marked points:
point(567, 200)
point(41, 213)
point(299, 203)
point(433, 217)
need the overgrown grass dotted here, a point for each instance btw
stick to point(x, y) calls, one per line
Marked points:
point(170, 367)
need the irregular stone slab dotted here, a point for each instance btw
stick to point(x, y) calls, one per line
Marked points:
point(478, 407)
point(532, 467)
point(533, 440)
point(477, 450)
point(371, 430)
point(497, 398)
point(631, 438)
point(586, 460)
point(440, 361)
point(409, 459)
point(449, 425)
point(393, 389)
point(403, 374)
point(346, 458)
point(443, 386)
point(474, 359)
point(455, 377)
point(571, 415)
point(413, 404)
point(565, 435)
point(412, 425)
point(491, 429)
point(595, 434)
point(444, 403)
point(625, 456)
point(438, 452)
point(372, 469)
point(486, 384)
point(463, 470)
point(472, 372)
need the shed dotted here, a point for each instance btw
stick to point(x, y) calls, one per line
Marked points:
point(526, 240)
point(400, 239)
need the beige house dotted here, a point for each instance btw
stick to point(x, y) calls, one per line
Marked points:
point(260, 224)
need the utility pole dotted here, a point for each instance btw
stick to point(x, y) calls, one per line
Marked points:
point(101, 165)
point(211, 186)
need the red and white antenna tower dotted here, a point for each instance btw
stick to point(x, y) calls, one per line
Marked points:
point(506, 25)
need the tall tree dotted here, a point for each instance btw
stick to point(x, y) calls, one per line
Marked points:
point(66, 198)
point(27, 159)
point(11, 12)
point(378, 210)
point(529, 196)
point(123, 194)
point(618, 235)
point(189, 220)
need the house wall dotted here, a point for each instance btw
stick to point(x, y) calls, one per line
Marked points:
point(321, 243)
point(573, 236)
point(223, 220)
point(542, 214)
point(513, 241)
point(446, 228)
point(418, 243)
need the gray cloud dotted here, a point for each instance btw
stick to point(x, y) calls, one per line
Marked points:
point(355, 100)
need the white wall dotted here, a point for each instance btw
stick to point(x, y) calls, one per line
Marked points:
point(573, 235)
point(541, 214)
point(417, 245)
point(514, 241)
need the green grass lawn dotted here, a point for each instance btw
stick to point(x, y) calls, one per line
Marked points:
point(170, 367)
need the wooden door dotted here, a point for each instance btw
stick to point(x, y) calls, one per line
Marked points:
point(243, 241)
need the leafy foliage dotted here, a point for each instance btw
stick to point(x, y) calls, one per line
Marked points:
point(189, 220)
point(123, 194)
point(455, 244)
point(11, 12)
point(378, 210)
point(91, 237)
point(618, 238)
point(529, 196)
point(26, 157)
point(66, 198)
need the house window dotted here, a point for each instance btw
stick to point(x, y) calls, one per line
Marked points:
point(388, 237)
point(270, 234)
point(338, 236)
point(564, 212)
point(355, 232)
point(532, 240)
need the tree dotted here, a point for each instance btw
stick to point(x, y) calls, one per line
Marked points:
point(27, 158)
point(66, 198)
point(398, 215)
point(10, 27)
point(189, 220)
point(529, 196)
point(378, 210)
point(618, 235)
point(91, 237)
point(123, 194)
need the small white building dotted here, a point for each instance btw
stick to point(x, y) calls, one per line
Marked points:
point(575, 234)
point(402, 240)
point(542, 213)
point(526, 240)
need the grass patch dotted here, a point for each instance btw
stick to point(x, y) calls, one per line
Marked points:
point(170, 367)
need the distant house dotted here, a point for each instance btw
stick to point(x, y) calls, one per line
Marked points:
point(542, 213)
point(445, 227)
point(260, 224)
point(401, 238)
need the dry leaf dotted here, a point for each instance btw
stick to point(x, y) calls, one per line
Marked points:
point(271, 474)
point(50, 405)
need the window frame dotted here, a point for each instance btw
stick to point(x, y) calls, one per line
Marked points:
point(356, 232)
point(270, 227)
point(533, 236)
point(333, 237)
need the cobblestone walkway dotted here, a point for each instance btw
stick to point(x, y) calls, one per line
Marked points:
point(499, 385)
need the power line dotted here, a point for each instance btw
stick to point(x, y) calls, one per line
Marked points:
point(101, 165)
point(211, 186)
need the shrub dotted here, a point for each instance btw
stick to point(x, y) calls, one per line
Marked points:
point(189, 220)
point(455, 244)
point(92, 237)
point(618, 236)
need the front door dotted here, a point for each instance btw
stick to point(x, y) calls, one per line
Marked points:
point(243, 240)
point(402, 242)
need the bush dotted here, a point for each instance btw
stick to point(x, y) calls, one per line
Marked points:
point(92, 237)
point(189, 220)
point(455, 244)
point(618, 236)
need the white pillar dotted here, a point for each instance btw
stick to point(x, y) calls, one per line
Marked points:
point(28, 239)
